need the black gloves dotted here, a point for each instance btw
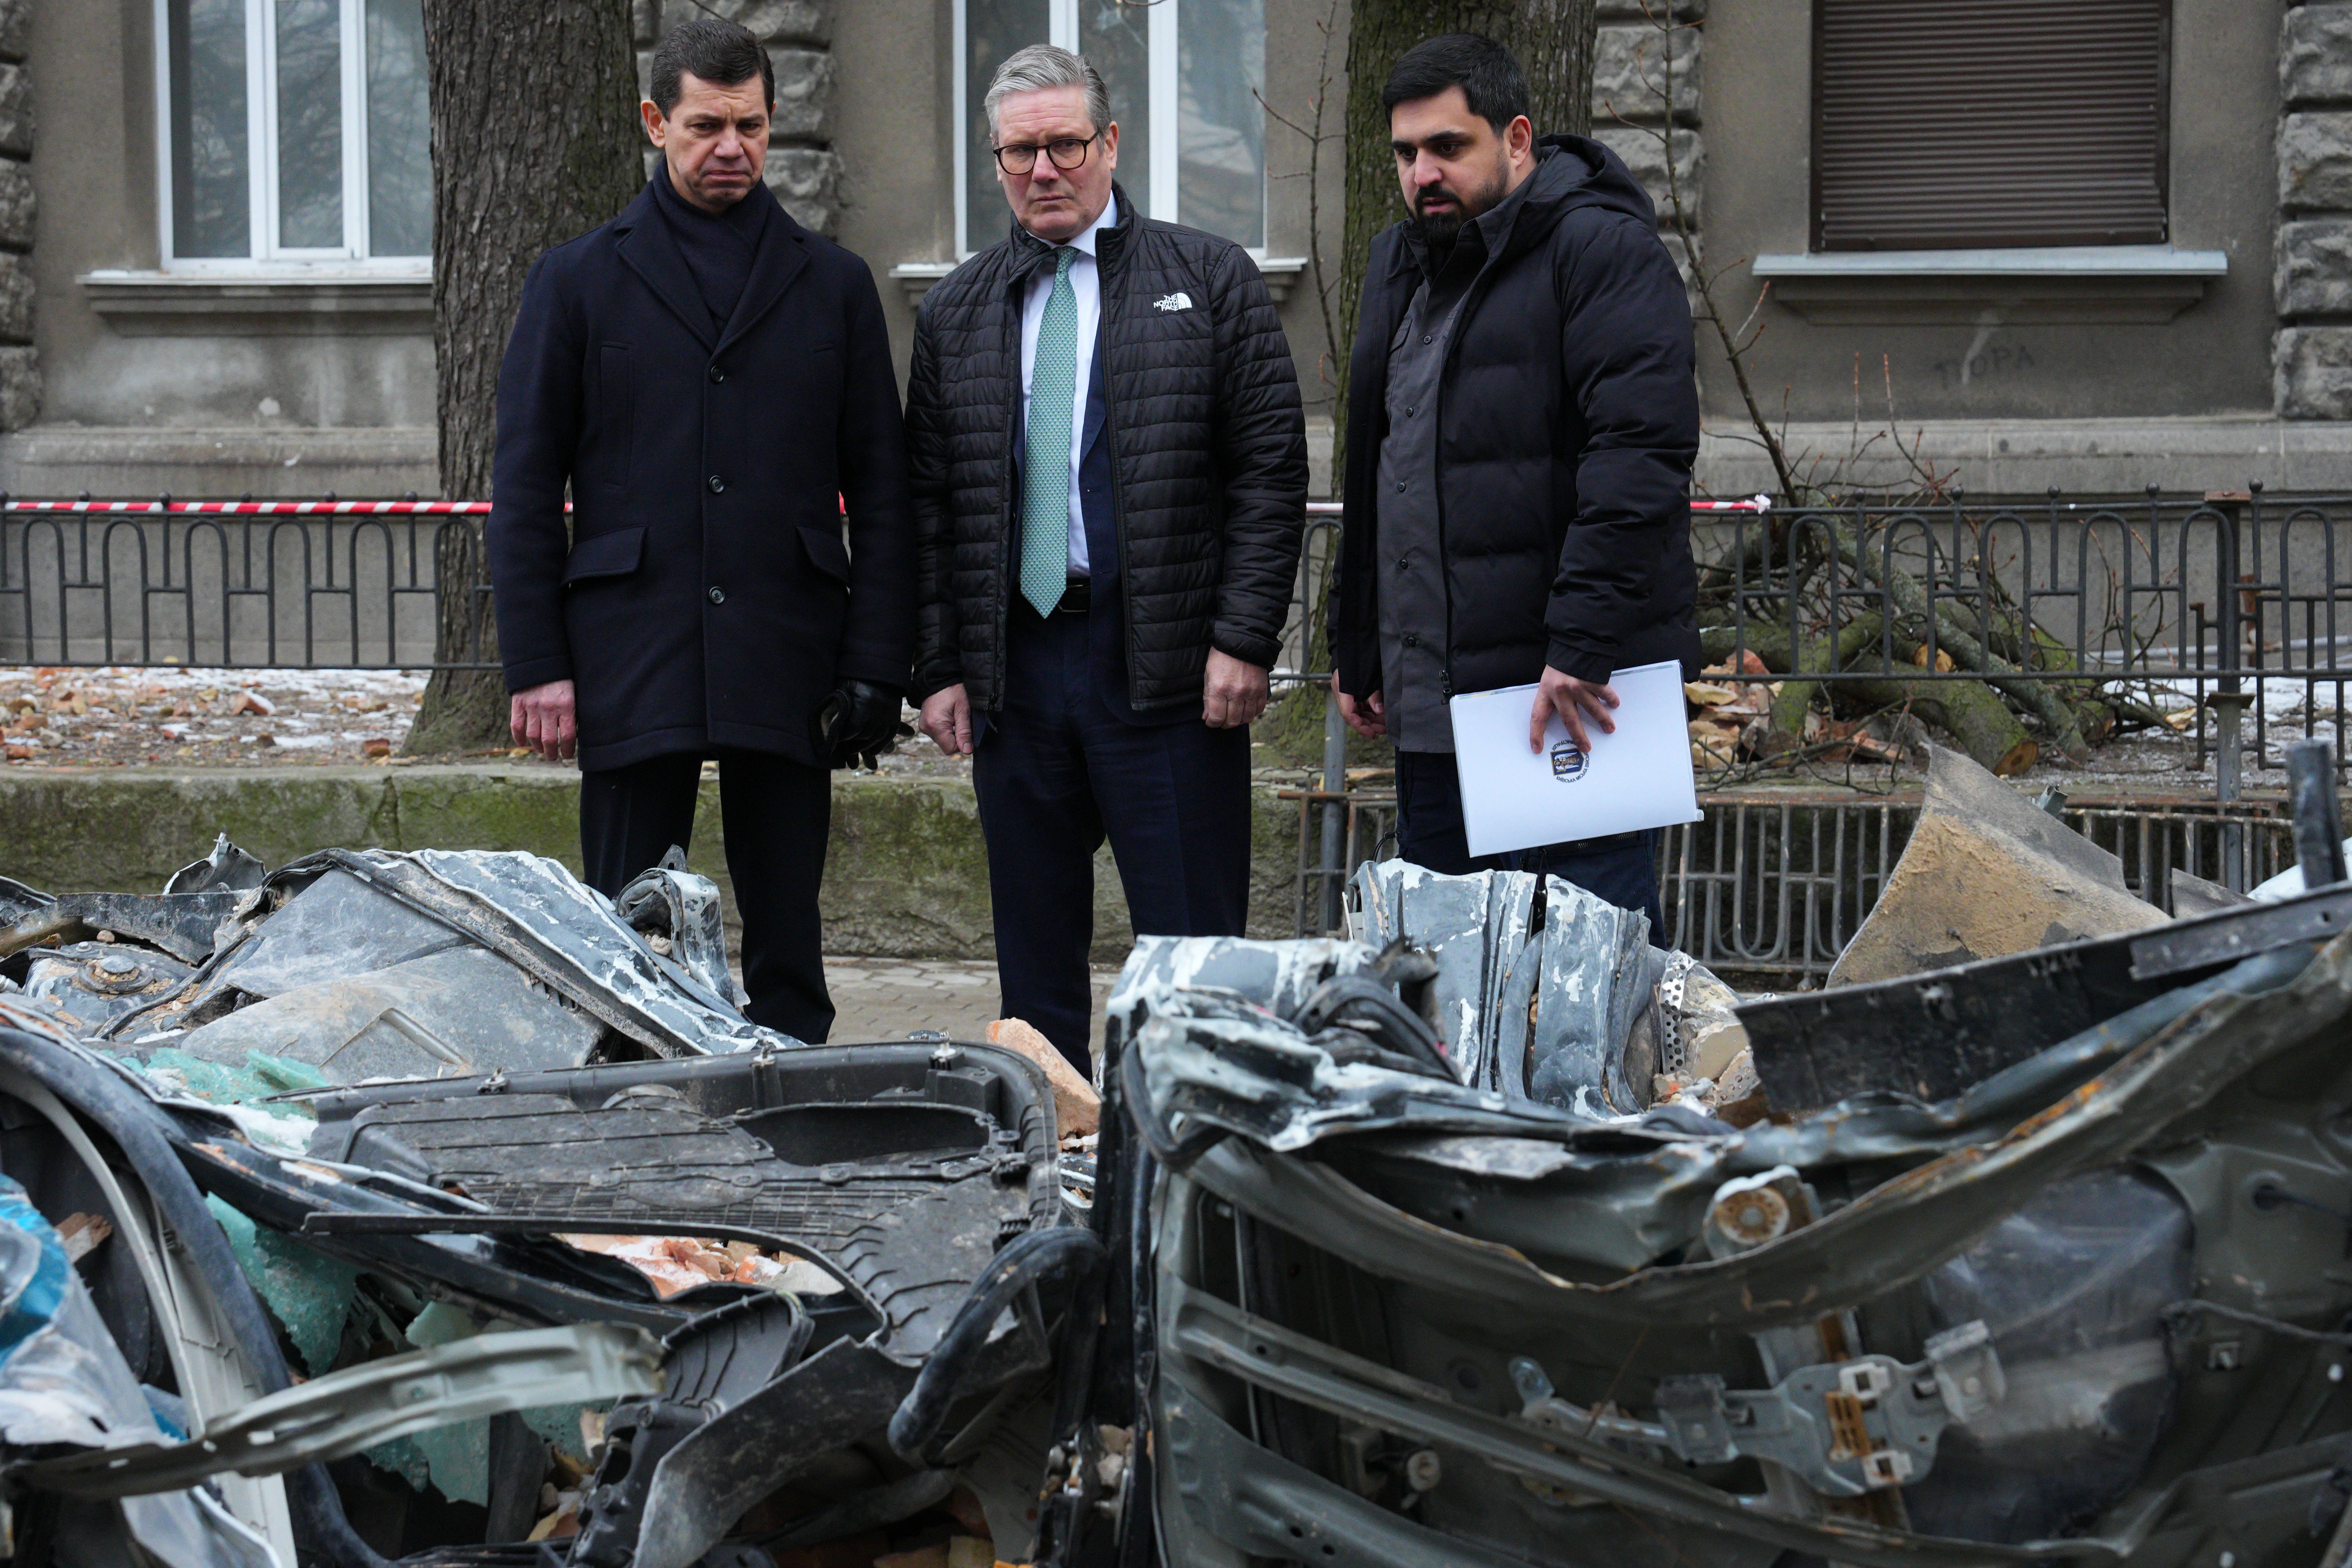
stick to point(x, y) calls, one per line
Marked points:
point(857, 723)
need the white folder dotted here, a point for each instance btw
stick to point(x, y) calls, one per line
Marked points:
point(1639, 776)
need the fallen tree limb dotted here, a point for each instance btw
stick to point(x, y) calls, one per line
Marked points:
point(1970, 712)
point(1910, 600)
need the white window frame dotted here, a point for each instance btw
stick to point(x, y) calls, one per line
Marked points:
point(1164, 114)
point(268, 257)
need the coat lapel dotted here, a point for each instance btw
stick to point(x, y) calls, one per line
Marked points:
point(645, 246)
point(782, 257)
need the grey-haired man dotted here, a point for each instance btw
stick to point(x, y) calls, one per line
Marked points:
point(1109, 470)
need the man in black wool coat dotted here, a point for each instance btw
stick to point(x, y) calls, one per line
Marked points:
point(712, 382)
point(1521, 424)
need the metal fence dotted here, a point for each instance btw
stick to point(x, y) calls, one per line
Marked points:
point(1773, 883)
point(2238, 603)
point(331, 584)
point(2235, 600)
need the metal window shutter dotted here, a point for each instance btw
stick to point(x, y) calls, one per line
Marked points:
point(1942, 124)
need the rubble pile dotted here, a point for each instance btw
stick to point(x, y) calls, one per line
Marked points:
point(431, 1207)
point(640, 1280)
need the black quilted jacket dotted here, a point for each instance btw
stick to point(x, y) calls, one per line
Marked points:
point(1567, 421)
point(1209, 457)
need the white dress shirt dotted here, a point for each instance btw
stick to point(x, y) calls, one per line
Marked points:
point(1086, 282)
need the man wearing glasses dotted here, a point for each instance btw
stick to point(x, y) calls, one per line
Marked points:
point(1109, 470)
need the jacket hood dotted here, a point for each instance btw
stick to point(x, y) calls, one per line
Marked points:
point(1573, 171)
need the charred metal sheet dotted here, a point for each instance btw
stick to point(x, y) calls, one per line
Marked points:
point(226, 870)
point(458, 1012)
point(903, 1169)
point(335, 926)
point(1933, 1035)
point(2187, 946)
point(1539, 982)
point(677, 911)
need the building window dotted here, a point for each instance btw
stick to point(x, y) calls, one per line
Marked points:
point(294, 131)
point(1953, 124)
point(1184, 78)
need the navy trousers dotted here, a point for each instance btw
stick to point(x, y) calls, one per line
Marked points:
point(776, 814)
point(1055, 771)
point(1622, 868)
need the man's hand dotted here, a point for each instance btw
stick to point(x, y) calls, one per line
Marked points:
point(1572, 700)
point(1232, 693)
point(947, 719)
point(1370, 719)
point(545, 719)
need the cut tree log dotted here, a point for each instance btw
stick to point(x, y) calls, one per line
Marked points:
point(1969, 712)
point(1910, 601)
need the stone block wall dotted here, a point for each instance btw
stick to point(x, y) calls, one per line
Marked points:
point(2313, 282)
point(1646, 53)
point(20, 369)
point(804, 168)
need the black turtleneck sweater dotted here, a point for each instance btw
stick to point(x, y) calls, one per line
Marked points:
point(719, 246)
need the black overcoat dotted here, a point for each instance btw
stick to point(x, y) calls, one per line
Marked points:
point(1567, 421)
point(704, 596)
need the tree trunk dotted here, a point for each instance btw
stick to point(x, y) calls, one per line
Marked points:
point(535, 140)
point(1554, 42)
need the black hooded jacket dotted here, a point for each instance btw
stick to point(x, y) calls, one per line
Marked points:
point(1208, 469)
point(1568, 424)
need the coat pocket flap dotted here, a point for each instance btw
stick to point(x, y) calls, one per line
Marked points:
point(614, 555)
point(826, 552)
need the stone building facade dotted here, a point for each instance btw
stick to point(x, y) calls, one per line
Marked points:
point(181, 317)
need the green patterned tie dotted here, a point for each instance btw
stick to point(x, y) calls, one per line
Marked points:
point(1046, 467)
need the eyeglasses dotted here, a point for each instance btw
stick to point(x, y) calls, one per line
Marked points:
point(1068, 152)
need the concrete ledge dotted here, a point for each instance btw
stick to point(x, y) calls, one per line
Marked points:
point(298, 304)
point(2081, 456)
point(906, 876)
point(115, 461)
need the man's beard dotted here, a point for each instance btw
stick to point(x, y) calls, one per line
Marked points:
point(1437, 231)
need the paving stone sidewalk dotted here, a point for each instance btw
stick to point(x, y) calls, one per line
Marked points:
point(886, 998)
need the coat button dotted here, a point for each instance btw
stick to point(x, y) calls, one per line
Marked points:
point(717, 375)
point(1408, 410)
point(1400, 487)
point(1404, 562)
point(1427, 340)
point(1411, 640)
point(717, 595)
point(717, 484)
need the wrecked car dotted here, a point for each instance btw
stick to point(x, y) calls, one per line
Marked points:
point(431, 1206)
point(2036, 1259)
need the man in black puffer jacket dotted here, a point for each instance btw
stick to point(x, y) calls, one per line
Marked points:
point(1110, 471)
point(1521, 424)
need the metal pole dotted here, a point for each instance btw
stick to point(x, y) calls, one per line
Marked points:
point(1335, 784)
point(2319, 832)
point(2227, 699)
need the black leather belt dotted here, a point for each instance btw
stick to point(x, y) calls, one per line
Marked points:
point(1075, 600)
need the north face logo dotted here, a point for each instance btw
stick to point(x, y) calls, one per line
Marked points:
point(1180, 300)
